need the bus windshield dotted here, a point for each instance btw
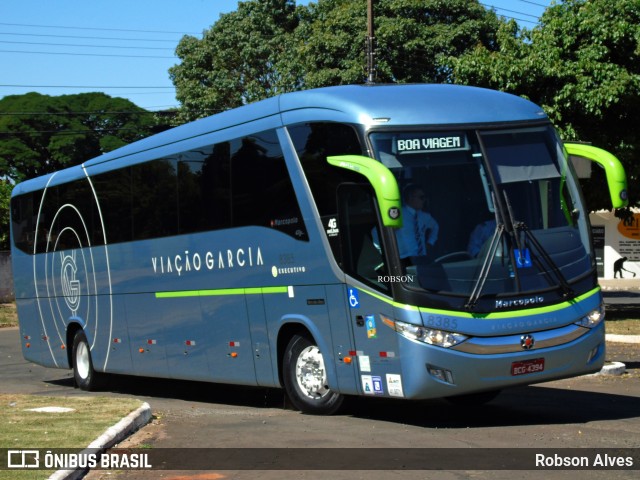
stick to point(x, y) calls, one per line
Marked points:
point(486, 212)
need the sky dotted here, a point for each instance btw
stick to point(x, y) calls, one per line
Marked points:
point(123, 48)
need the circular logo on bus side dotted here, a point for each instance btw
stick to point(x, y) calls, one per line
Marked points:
point(71, 271)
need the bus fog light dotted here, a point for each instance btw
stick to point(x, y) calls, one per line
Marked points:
point(593, 354)
point(593, 318)
point(441, 374)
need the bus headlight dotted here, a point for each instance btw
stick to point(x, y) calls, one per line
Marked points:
point(430, 336)
point(593, 318)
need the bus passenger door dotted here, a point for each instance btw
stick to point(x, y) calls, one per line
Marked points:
point(363, 260)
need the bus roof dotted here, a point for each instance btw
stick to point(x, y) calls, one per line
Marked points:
point(411, 104)
point(371, 105)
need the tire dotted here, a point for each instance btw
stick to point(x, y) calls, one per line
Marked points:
point(473, 399)
point(85, 376)
point(305, 378)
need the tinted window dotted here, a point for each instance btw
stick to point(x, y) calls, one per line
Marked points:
point(262, 191)
point(24, 212)
point(154, 205)
point(238, 183)
point(204, 189)
point(314, 142)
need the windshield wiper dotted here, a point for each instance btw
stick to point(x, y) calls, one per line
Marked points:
point(471, 302)
point(564, 287)
point(486, 267)
point(516, 228)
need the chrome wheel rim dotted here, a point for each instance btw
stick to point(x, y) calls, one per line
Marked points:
point(82, 360)
point(311, 374)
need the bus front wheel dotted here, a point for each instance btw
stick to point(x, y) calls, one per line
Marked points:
point(305, 378)
point(83, 373)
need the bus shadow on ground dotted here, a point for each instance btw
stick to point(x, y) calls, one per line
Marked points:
point(520, 406)
point(206, 392)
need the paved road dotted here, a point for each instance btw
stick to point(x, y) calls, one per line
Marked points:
point(596, 411)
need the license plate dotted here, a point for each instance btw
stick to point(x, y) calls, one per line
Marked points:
point(527, 366)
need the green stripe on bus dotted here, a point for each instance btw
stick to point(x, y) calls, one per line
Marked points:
point(487, 316)
point(221, 292)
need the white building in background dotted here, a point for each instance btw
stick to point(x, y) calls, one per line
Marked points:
point(613, 239)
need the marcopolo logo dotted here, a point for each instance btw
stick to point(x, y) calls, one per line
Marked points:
point(520, 302)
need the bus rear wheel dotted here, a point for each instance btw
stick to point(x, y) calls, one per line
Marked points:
point(85, 376)
point(305, 378)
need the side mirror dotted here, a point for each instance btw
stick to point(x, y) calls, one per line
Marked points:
point(616, 176)
point(381, 179)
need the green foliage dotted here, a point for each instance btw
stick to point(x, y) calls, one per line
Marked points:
point(238, 60)
point(582, 64)
point(40, 134)
point(268, 47)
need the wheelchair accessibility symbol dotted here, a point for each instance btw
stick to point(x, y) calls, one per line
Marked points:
point(523, 258)
point(354, 300)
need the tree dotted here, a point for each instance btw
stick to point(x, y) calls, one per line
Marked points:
point(268, 47)
point(414, 39)
point(582, 65)
point(40, 134)
point(237, 61)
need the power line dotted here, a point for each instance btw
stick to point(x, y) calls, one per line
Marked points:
point(67, 27)
point(86, 37)
point(82, 45)
point(82, 86)
point(534, 3)
point(86, 54)
point(510, 11)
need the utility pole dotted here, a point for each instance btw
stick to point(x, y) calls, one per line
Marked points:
point(370, 45)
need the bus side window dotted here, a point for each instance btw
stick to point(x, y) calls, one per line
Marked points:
point(261, 189)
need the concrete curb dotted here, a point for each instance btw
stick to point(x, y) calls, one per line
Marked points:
point(118, 432)
point(611, 337)
point(613, 368)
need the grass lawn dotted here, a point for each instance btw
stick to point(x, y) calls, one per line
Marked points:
point(22, 428)
point(8, 316)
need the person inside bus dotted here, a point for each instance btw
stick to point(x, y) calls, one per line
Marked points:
point(419, 231)
point(479, 236)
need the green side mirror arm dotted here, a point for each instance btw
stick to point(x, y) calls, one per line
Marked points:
point(616, 176)
point(381, 179)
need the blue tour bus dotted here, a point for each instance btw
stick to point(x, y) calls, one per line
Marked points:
point(265, 246)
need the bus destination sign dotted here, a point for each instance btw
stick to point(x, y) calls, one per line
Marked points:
point(433, 142)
